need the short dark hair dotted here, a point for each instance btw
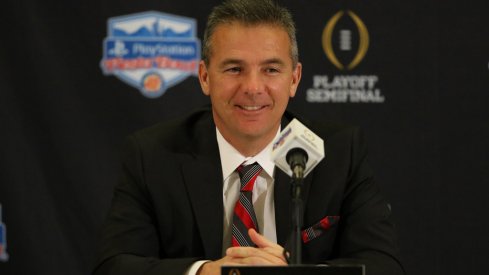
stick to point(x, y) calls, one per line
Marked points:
point(250, 12)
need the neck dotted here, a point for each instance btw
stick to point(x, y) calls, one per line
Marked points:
point(248, 146)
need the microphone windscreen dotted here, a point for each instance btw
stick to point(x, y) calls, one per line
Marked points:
point(297, 135)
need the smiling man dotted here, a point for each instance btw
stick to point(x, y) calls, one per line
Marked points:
point(250, 76)
point(202, 192)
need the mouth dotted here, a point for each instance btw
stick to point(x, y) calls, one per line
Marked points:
point(251, 107)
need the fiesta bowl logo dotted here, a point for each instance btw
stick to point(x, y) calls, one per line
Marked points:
point(151, 51)
point(3, 239)
point(345, 41)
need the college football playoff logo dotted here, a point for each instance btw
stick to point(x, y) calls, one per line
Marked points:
point(341, 38)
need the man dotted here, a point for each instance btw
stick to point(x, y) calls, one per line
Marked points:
point(174, 210)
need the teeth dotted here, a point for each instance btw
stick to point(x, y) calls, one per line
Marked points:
point(251, 108)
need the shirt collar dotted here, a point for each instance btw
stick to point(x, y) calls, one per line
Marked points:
point(232, 158)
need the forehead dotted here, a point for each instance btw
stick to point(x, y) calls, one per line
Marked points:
point(249, 39)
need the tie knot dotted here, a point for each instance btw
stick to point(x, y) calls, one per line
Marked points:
point(248, 175)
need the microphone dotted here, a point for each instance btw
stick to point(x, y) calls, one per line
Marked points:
point(297, 150)
point(297, 159)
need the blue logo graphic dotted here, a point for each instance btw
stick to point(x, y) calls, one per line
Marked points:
point(3, 239)
point(151, 51)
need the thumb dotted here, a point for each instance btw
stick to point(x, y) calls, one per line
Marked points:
point(259, 239)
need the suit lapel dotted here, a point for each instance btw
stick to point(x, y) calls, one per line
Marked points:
point(203, 179)
point(204, 184)
point(282, 206)
point(283, 203)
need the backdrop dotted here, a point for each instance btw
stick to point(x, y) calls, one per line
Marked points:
point(76, 77)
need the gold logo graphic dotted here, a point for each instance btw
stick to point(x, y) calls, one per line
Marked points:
point(328, 44)
point(234, 271)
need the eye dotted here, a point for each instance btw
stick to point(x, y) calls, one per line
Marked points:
point(272, 70)
point(233, 70)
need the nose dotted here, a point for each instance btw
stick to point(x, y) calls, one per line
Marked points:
point(253, 83)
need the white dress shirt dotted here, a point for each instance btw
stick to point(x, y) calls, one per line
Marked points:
point(263, 203)
point(263, 200)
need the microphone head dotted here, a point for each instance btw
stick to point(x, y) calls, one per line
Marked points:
point(297, 157)
point(293, 143)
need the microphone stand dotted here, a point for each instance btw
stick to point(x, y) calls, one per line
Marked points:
point(296, 188)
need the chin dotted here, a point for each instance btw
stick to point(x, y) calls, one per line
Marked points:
point(253, 132)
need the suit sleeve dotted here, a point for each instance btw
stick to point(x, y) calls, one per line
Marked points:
point(129, 241)
point(366, 233)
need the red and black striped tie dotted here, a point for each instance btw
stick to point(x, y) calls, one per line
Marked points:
point(244, 216)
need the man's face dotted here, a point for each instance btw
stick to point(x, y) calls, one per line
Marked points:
point(250, 78)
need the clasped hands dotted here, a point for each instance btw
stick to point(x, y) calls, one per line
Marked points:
point(266, 253)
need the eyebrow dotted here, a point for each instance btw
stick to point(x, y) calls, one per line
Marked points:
point(235, 61)
point(277, 61)
point(230, 61)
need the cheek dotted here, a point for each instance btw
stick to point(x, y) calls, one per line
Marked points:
point(224, 91)
point(280, 93)
point(280, 86)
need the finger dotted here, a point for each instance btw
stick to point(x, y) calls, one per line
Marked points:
point(261, 241)
point(259, 260)
point(277, 252)
point(268, 255)
point(241, 251)
point(266, 244)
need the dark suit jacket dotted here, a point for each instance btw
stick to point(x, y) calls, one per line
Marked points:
point(167, 210)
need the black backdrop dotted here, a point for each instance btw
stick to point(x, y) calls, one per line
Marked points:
point(62, 121)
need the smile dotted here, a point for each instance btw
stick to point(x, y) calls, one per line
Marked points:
point(251, 108)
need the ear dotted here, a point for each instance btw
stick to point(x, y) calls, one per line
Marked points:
point(296, 78)
point(204, 77)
